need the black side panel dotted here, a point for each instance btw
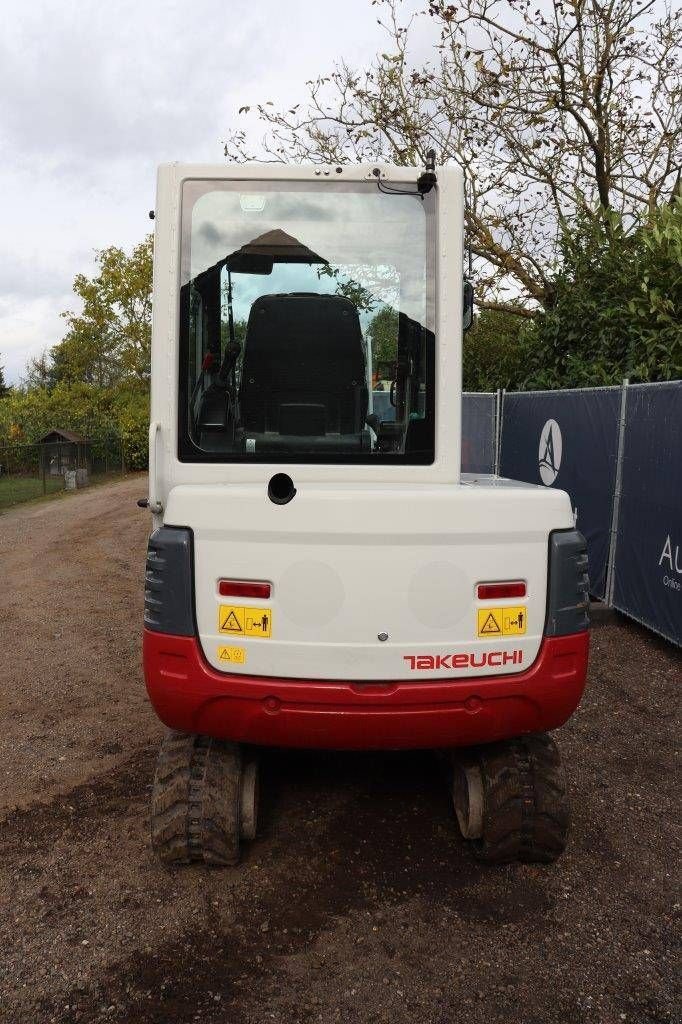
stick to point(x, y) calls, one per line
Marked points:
point(168, 587)
point(568, 593)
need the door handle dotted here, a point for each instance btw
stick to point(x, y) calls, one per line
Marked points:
point(153, 503)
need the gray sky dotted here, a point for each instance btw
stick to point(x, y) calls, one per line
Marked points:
point(94, 95)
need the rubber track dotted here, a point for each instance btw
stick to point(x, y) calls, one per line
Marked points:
point(526, 812)
point(195, 800)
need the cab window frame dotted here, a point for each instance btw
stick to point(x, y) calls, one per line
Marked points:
point(188, 451)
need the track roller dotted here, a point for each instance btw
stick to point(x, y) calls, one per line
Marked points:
point(204, 800)
point(510, 800)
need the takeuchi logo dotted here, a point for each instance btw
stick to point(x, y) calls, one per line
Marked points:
point(549, 452)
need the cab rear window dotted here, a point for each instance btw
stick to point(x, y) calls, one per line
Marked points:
point(306, 323)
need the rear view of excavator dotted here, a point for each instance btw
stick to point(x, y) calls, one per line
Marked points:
point(320, 573)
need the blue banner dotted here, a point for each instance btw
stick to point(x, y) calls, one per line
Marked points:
point(569, 440)
point(478, 428)
point(648, 556)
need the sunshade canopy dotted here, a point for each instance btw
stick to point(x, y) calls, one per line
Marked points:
point(274, 246)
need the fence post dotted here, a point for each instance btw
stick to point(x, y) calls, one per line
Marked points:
point(613, 539)
point(123, 461)
point(42, 470)
point(499, 406)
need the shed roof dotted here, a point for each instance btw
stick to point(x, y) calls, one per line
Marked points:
point(63, 435)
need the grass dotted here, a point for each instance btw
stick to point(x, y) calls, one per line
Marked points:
point(17, 489)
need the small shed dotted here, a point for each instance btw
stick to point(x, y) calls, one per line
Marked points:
point(62, 451)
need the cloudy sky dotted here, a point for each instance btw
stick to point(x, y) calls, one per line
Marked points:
point(94, 95)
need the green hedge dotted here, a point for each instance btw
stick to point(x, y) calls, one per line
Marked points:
point(123, 412)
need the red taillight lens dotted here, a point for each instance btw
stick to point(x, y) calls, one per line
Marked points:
point(494, 591)
point(243, 588)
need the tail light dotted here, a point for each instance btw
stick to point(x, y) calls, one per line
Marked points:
point(168, 598)
point(496, 591)
point(568, 588)
point(243, 588)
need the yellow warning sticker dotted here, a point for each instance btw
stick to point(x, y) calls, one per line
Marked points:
point(235, 655)
point(490, 622)
point(231, 620)
point(257, 621)
point(514, 621)
point(244, 621)
point(494, 622)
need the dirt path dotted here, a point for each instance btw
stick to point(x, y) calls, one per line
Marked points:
point(358, 902)
point(70, 611)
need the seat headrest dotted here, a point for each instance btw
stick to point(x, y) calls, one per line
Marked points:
point(320, 333)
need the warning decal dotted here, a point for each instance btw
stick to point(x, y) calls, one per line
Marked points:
point(257, 621)
point(514, 621)
point(234, 655)
point(231, 620)
point(244, 621)
point(489, 622)
point(501, 621)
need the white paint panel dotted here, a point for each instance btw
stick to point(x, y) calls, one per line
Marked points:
point(349, 562)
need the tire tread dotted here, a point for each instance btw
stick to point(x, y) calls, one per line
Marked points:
point(526, 811)
point(195, 800)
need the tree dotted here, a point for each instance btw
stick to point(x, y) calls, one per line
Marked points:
point(109, 341)
point(570, 109)
point(618, 309)
point(98, 413)
point(96, 380)
point(4, 389)
point(40, 371)
point(383, 333)
point(494, 353)
point(363, 296)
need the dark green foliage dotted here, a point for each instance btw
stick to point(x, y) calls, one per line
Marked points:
point(618, 308)
point(117, 412)
point(494, 355)
point(383, 333)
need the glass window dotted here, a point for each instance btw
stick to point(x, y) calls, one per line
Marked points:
point(306, 326)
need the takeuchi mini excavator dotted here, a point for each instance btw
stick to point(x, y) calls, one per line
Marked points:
point(320, 573)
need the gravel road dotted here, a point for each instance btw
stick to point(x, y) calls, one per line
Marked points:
point(358, 902)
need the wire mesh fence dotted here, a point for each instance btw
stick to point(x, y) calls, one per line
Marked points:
point(61, 462)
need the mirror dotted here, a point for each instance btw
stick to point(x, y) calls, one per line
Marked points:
point(249, 263)
point(468, 306)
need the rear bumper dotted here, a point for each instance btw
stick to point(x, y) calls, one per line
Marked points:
point(189, 695)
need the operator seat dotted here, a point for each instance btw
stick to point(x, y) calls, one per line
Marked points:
point(304, 373)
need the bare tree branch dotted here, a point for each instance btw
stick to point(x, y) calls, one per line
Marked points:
point(568, 108)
